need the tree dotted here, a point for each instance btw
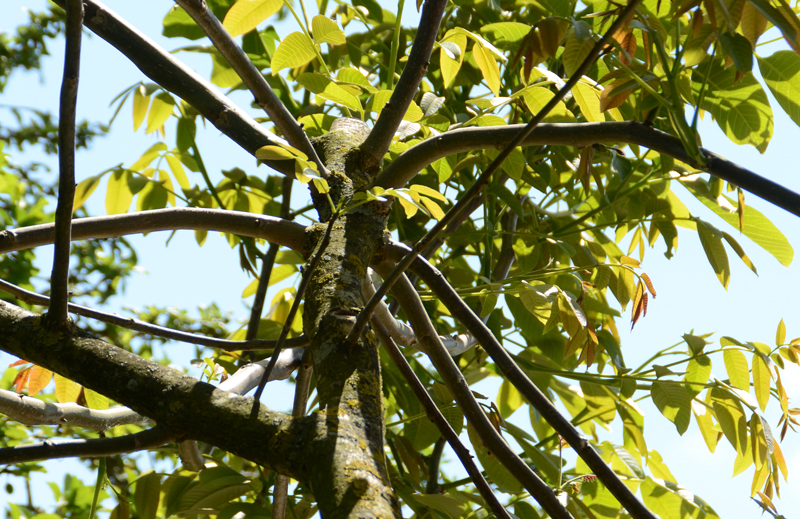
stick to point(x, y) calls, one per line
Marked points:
point(547, 131)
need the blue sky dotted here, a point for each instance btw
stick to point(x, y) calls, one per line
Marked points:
point(689, 295)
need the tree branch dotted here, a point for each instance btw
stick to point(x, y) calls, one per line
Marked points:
point(412, 306)
point(184, 406)
point(251, 77)
point(164, 69)
point(580, 135)
point(379, 139)
point(93, 448)
point(59, 278)
point(32, 411)
point(436, 416)
point(152, 329)
point(248, 376)
point(274, 230)
point(512, 372)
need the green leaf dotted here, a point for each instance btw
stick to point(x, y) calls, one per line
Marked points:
point(780, 334)
point(295, 50)
point(674, 403)
point(147, 494)
point(452, 508)
point(668, 504)
point(506, 32)
point(702, 416)
point(178, 23)
point(697, 370)
point(737, 368)
point(451, 56)
point(741, 108)
point(600, 400)
point(527, 256)
point(575, 51)
point(508, 399)
point(711, 240)
point(246, 15)
point(444, 167)
point(757, 227)
point(588, 100)
point(488, 67)
point(177, 171)
point(328, 89)
point(498, 474)
point(222, 74)
point(761, 380)
point(141, 102)
point(381, 97)
point(738, 48)
point(185, 134)
point(279, 153)
point(781, 72)
point(160, 110)
point(730, 416)
point(153, 196)
point(118, 194)
point(537, 97)
point(325, 30)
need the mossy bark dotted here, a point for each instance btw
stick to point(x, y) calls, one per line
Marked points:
point(351, 478)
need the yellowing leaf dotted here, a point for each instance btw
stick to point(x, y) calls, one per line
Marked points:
point(38, 380)
point(588, 100)
point(295, 50)
point(325, 30)
point(730, 416)
point(118, 193)
point(178, 172)
point(781, 72)
point(279, 153)
point(737, 368)
point(433, 207)
point(488, 67)
point(67, 391)
point(160, 110)
point(715, 251)
point(140, 104)
point(83, 191)
point(451, 56)
point(537, 97)
point(245, 15)
point(432, 193)
point(95, 400)
point(761, 380)
point(330, 90)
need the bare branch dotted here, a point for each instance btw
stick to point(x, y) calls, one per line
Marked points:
point(512, 372)
point(59, 279)
point(436, 416)
point(151, 329)
point(164, 69)
point(191, 456)
point(309, 270)
point(274, 230)
point(458, 386)
point(248, 376)
point(580, 135)
point(32, 411)
point(376, 145)
point(252, 78)
point(93, 448)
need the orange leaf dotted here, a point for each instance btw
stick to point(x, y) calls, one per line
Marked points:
point(21, 379)
point(40, 377)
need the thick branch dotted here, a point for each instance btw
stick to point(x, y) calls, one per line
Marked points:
point(93, 448)
point(252, 78)
point(512, 372)
point(580, 135)
point(412, 306)
point(59, 279)
point(269, 228)
point(376, 145)
point(436, 416)
point(184, 406)
point(160, 66)
point(152, 329)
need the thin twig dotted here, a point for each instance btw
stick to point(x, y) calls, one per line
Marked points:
point(302, 385)
point(304, 281)
point(163, 68)
point(266, 266)
point(59, 279)
point(512, 372)
point(251, 77)
point(374, 148)
point(432, 486)
point(438, 419)
point(458, 386)
point(151, 329)
point(478, 185)
point(93, 448)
